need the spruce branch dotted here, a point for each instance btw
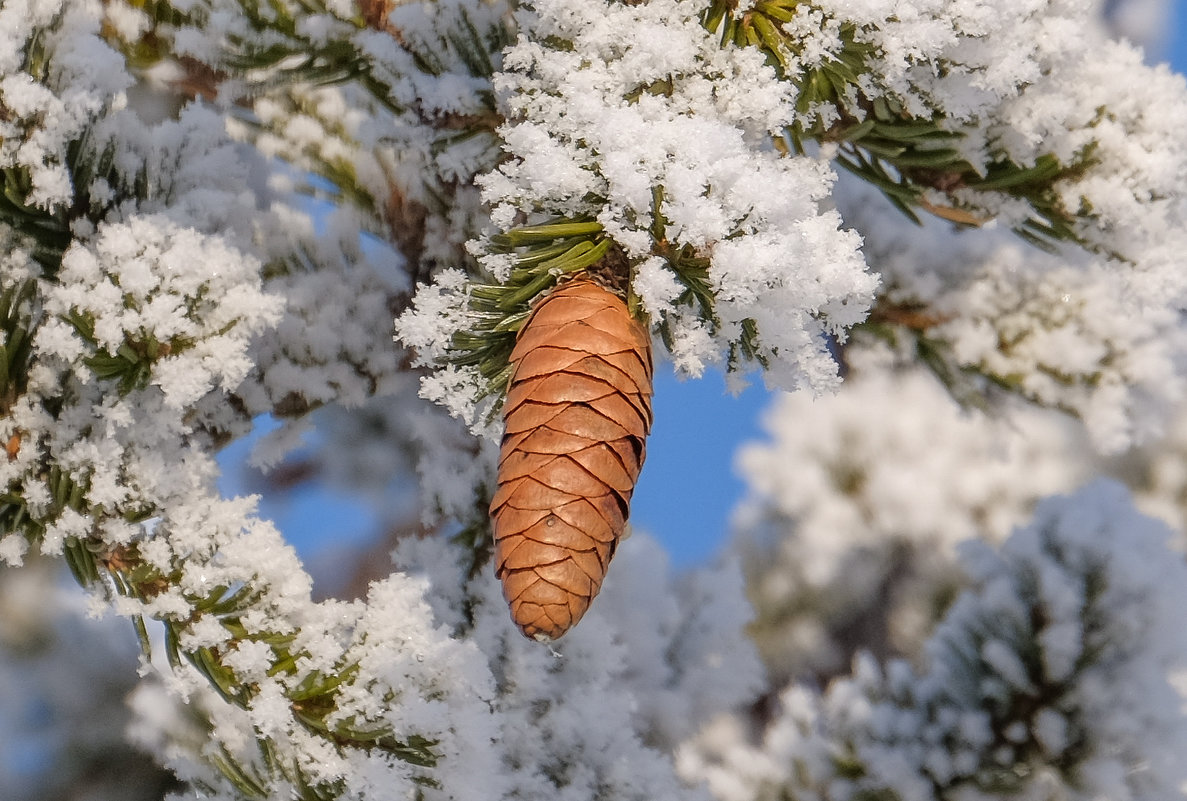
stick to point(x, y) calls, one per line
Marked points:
point(52, 497)
point(1008, 656)
point(1010, 344)
point(910, 158)
point(411, 171)
point(48, 230)
point(535, 257)
point(312, 696)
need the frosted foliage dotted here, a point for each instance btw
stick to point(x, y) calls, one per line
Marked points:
point(597, 717)
point(452, 466)
point(1133, 192)
point(149, 281)
point(508, 719)
point(1070, 331)
point(427, 327)
point(1036, 79)
point(725, 756)
point(162, 262)
point(633, 115)
point(1070, 339)
point(423, 157)
point(1007, 67)
point(187, 169)
point(910, 38)
point(1041, 78)
point(1079, 614)
point(329, 345)
point(1049, 676)
point(413, 679)
point(585, 125)
point(1157, 473)
point(394, 137)
point(83, 78)
point(152, 321)
point(848, 532)
point(1094, 335)
point(63, 682)
point(173, 732)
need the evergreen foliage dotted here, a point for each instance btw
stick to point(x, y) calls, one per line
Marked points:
point(164, 284)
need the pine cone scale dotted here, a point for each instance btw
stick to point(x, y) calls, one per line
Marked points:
point(630, 453)
point(620, 409)
point(538, 526)
point(569, 577)
point(528, 493)
point(591, 519)
point(547, 440)
point(532, 552)
point(547, 360)
point(579, 420)
point(561, 387)
point(517, 463)
point(530, 416)
point(609, 465)
point(566, 475)
point(611, 367)
point(578, 335)
point(552, 533)
point(608, 368)
point(576, 414)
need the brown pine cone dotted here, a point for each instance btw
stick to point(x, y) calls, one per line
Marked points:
point(577, 414)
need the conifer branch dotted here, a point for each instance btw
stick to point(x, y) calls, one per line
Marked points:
point(908, 157)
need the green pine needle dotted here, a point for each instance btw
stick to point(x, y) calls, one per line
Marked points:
point(543, 253)
point(904, 156)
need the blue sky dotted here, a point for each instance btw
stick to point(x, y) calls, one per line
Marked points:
point(688, 487)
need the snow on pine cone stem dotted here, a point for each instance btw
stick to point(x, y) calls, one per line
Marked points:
point(577, 414)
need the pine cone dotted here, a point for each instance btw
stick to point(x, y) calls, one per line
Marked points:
point(577, 414)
